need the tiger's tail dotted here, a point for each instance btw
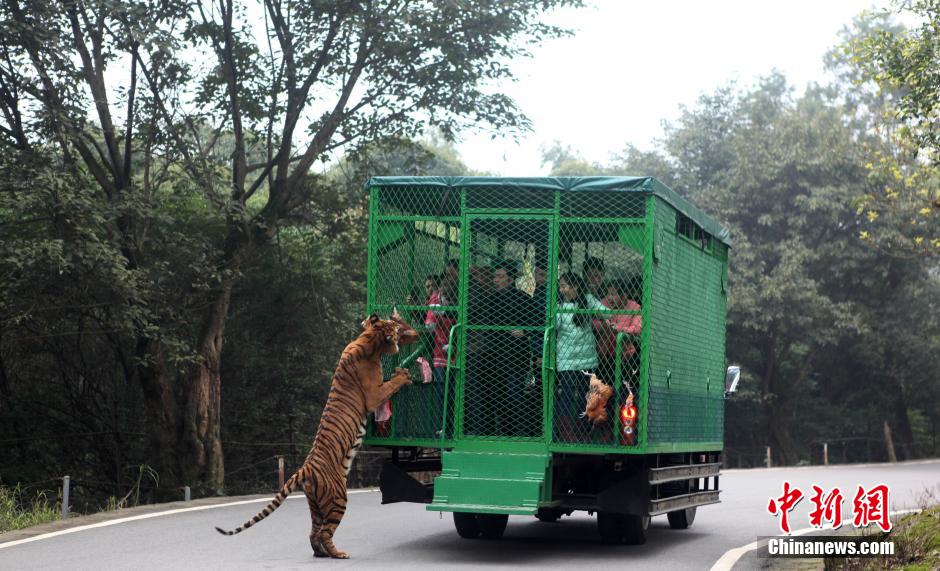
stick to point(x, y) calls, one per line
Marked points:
point(289, 486)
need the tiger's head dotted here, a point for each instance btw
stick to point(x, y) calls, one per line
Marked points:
point(390, 333)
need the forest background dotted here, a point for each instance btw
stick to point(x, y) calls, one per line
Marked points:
point(183, 226)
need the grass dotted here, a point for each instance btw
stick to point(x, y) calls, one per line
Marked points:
point(18, 510)
point(916, 546)
point(132, 498)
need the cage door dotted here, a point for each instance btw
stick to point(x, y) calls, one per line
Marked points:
point(507, 262)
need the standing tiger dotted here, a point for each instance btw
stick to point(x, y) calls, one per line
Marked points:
point(357, 390)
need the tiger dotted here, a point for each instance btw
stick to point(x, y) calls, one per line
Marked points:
point(357, 389)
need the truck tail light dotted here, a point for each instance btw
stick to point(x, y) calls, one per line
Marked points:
point(628, 414)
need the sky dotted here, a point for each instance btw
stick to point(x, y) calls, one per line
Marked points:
point(630, 65)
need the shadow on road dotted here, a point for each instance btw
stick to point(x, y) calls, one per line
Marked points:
point(531, 542)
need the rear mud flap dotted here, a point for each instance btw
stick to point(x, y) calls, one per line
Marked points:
point(628, 496)
point(397, 485)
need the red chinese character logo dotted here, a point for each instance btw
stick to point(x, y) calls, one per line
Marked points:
point(872, 507)
point(784, 505)
point(828, 508)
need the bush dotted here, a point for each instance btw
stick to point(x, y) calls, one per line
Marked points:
point(917, 546)
point(18, 511)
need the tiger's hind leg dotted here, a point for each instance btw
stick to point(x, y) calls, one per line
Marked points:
point(334, 508)
point(316, 521)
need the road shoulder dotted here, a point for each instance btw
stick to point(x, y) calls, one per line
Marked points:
point(111, 515)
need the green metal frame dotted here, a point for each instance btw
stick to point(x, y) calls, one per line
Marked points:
point(648, 260)
point(656, 235)
point(465, 257)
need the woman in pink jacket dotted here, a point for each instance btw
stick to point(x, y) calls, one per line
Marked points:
point(621, 294)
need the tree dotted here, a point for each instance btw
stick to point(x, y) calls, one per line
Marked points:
point(762, 163)
point(565, 161)
point(808, 301)
point(632, 161)
point(69, 391)
point(297, 307)
point(903, 214)
point(200, 98)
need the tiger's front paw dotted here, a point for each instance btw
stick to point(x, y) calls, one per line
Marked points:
point(403, 376)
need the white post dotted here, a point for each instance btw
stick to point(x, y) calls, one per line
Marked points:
point(65, 497)
point(825, 453)
point(186, 494)
point(280, 472)
point(768, 457)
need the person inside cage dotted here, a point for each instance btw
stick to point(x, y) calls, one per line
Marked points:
point(419, 296)
point(594, 273)
point(503, 359)
point(434, 289)
point(479, 287)
point(432, 285)
point(439, 323)
point(575, 354)
point(621, 294)
point(481, 284)
point(450, 294)
point(415, 297)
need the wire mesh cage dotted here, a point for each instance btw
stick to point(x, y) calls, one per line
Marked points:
point(524, 295)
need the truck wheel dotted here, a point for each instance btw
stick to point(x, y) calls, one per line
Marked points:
point(610, 526)
point(681, 519)
point(634, 529)
point(492, 526)
point(467, 525)
point(548, 514)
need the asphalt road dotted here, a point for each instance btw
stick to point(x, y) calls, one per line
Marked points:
point(406, 536)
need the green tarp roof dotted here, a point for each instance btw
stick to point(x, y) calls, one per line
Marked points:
point(646, 184)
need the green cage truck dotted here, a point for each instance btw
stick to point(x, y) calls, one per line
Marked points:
point(572, 353)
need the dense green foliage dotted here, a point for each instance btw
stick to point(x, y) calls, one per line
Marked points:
point(897, 71)
point(70, 403)
point(298, 307)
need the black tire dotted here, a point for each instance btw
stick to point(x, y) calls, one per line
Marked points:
point(681, 519)
point(492, 526)
point(467, 525)
point(634, 529)
point(610, 526)
point(548, 515)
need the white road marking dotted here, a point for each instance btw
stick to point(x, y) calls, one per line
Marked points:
point(150, 515)
point(727, 561)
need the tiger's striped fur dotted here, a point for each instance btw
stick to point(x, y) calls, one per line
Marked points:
point(357, 390)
